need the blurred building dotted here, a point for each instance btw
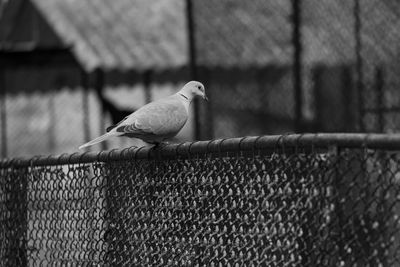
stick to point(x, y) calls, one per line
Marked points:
point(268, 66)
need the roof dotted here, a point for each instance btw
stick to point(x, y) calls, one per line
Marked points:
point(120, 34)
point(151, 34)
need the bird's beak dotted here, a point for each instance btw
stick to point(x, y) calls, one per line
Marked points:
point(205, 97)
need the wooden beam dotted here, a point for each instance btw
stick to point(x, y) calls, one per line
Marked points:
point(27, 56)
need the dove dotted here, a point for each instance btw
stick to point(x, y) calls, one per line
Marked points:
point(156, 121)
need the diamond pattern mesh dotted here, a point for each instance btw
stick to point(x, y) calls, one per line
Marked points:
point(285, 208)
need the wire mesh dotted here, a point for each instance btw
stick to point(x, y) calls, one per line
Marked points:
point(40, 123)
point(352, 45)
point(348, 64)
point(247, 51)
point(43, 110)
point(263, 201)
point(380, 69)
point(253, 102)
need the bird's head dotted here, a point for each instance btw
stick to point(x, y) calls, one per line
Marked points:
point(193, 89)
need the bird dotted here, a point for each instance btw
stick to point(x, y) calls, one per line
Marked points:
point(157, 121)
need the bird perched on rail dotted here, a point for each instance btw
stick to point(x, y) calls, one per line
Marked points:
point(157, 121)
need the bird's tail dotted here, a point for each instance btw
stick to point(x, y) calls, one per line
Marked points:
point(97, 140)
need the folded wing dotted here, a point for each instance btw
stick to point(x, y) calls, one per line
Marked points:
point(161, 118)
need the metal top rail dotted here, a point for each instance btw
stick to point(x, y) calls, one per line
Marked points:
point(243, 144)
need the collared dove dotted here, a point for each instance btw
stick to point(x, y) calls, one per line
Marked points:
point(156, 121)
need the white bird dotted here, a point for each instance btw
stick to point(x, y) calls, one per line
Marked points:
point(157, 121)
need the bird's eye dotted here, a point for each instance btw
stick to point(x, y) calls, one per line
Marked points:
point(199, 86)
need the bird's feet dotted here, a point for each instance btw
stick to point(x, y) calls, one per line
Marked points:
point(161, 145)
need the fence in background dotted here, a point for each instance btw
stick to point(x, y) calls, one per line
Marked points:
point(308, 200)
point(270, 67)
point(330, 65)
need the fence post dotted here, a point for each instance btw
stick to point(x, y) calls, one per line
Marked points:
point(193, 64)
point(3, 112)
point(52, 143)
point(379, 83)
point(85, 105)
point(99, 88)
point(359, 63)
point(297, 63)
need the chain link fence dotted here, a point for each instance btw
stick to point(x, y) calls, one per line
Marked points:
point(354, 44)
point(348, 52)
point(246, 52)
point(378, 36)
point(44, 114)
point(295, 200)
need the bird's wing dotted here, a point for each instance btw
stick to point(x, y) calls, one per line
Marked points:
point(109, 128)
point(162, 117)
